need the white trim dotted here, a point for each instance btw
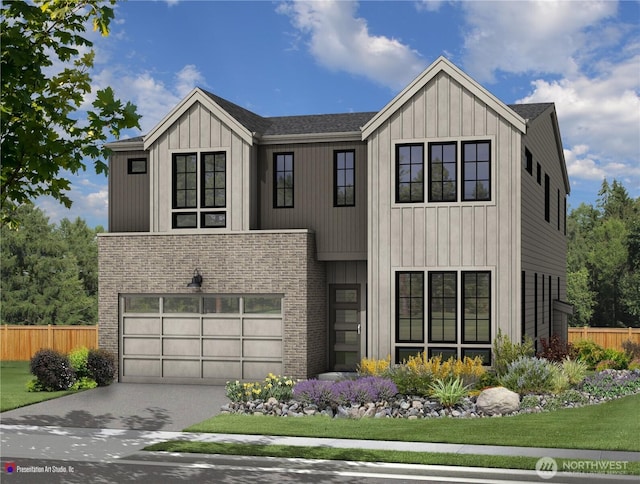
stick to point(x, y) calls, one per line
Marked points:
point(203, 232)
point(125, 145)
point(442, 64)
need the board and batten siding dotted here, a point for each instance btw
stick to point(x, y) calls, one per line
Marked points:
point(200, 130)
point(443, 236)
point(544, 245)
point(341, 232)
point(128, 194)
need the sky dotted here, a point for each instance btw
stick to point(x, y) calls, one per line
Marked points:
point(279, 58)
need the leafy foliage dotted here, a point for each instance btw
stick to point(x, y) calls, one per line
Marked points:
point(273, 386)
point(589, 351)
point(314, 391)
point(48, 275)
point(78, 358)
point(52, 370)
point(556, 349)
point(575, 370)
point(84, 383)
point(359, 391)
point(46, 63)
point(101, 364)
point(373, 367)
point(632, 349)
point(506, 352)
point(603, 258)
point(612, 383)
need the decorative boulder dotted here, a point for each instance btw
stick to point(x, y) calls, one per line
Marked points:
point(497, 401)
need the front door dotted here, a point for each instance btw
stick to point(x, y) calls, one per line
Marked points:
point(344, 313)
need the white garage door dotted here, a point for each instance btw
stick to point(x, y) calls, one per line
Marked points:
point(200, 339)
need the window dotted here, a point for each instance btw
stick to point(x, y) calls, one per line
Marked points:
point(564, 225)
point(523, 309)
point(196, 189)
point(528, 157)
point(409, 173)
point(137, 166)
point(442, 172)
point(535, 307)
point(283, 180)
point(442, 307)
point(484, 353)
point(538, 173)
point(344, 178)
point(409, 307)
point(476, 307)
point(547, 196)
point(476, 170)
point(403, 354)
point(444, 353)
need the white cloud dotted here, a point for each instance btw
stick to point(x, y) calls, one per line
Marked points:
point(533, 36)
point(430, 5)
point(91, 205)
point(341, 41)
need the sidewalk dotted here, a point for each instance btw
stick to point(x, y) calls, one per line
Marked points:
point(86, 444)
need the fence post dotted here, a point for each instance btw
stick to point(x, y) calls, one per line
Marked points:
point(49, 337)
point(584, 332)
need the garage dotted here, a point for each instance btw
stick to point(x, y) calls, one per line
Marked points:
point(201, 338)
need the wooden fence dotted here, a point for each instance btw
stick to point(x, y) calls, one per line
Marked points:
point(20, 343)
point(605, 337)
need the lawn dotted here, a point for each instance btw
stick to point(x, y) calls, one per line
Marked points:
point(14, 376)
point(614, 425)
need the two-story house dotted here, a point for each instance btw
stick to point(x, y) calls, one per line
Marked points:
point(240, 245)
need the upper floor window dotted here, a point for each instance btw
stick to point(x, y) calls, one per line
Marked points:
point(442, 172)
point(476, 170)
point(283, 180)
point(195, 189)
point(344, 173)
point(410, 173)
point(528, 157)
point(547, 198)
point(538, 173)
point(136, 166)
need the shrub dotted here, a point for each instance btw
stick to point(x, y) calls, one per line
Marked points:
point(274, 386)
point(409, 382)
point(529, 375)
point(506, 352)
point(278, 387)
point(234, 391)
point(635, 364)
point(555, 349)
point(372, 367)
point(488, 379)
point(589, 352)
point(52, 369)
point(78, 358)
point(449, 392)
point(318, 392)
point(101, 365)
point(34, 385)
point(575, 370)
point(620, 360)
point(606, 365)
point(631, 349)
point(84, 383)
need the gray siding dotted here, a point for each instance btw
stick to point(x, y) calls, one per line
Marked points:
point(443, 236)
point(544, 247)
point(341, 232)
point(128, 194)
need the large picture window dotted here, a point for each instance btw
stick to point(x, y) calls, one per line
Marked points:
point(476, 309)
point(283, 180)
point(344, 172)
point(442, 172)
point(198, 186)
point(442, 307)
point(410, 173)
point(410, 307)
point(476, 170)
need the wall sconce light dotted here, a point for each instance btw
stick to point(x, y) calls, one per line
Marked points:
point(196, 280)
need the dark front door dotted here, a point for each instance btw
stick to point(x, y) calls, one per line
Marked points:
point(345, 329)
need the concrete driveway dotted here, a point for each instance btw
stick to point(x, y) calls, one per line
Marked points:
point(132, 406)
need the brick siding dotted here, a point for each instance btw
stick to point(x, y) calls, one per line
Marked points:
point(240, 263)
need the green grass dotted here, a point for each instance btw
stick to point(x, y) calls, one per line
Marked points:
point(365, 455)
point(14, 376)
point(614, 425)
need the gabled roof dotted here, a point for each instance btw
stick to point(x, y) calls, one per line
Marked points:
point(318, 123)
point(442, 64)
point(529, 112)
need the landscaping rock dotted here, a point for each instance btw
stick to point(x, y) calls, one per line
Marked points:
point(498, 401)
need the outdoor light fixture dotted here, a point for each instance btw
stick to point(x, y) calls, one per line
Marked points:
point(196, 280)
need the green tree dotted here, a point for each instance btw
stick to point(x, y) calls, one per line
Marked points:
point(581, 296)
point(81, 239)
point(42, 136)
point(40, 275)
